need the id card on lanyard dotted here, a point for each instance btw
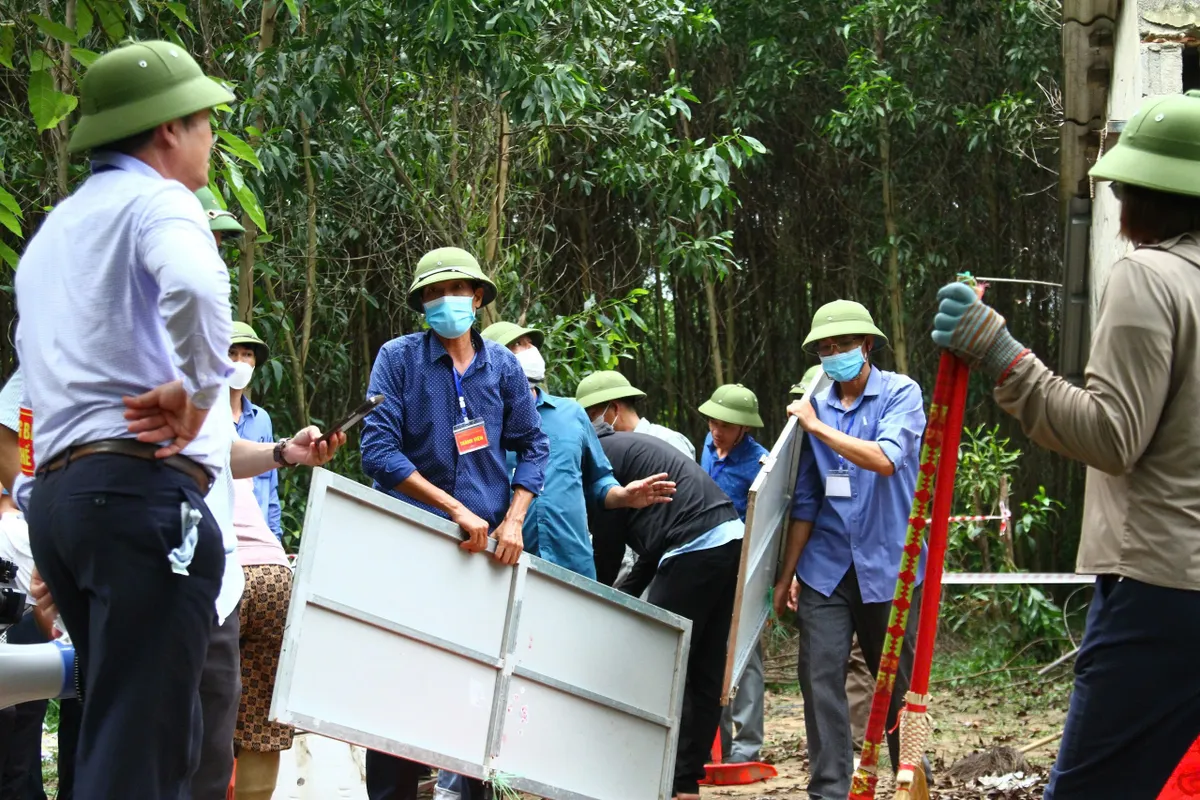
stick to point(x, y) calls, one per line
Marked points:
point(470, 434)
point(837, 482)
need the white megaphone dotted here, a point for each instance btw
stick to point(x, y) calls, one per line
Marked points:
point(36, 672)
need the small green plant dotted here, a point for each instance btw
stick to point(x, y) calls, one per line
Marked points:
point(501, 783)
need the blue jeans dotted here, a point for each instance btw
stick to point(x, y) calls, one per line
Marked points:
point(1136, 706)
point(467, 788)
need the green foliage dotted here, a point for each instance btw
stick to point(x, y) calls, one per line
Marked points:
point(1020, 614)
point(663, 187)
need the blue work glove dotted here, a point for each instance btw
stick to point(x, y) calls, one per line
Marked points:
point(974, 332)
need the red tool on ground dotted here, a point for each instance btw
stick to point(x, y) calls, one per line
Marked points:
point(1185, 781)
point(865, 778)
point(720, 774)
point(915, 725)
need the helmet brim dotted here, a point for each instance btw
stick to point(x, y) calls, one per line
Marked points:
point(224, 223)
point(448, 274)
point(608, 395)
point(1149, 170)
point(732, 416)
point(261, 352)
point(832, 330)
point(114, 124)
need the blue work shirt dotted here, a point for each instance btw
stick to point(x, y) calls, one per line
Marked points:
point(413, 429)
point(735, 472)
point(255, 426)
point(867, 529)
point(556, 526)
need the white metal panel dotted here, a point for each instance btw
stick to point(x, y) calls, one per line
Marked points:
point(767, 513)
point(599, 754)
point(399, 641)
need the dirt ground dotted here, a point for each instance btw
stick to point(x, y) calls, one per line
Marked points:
point(967, 719)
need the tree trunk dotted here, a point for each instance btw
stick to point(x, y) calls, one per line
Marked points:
point(62, 82)
point(891, 229)
point(266, 38)
point(300, 391)
point(310, 283)
point(1006, 537)
point(584, 250)
point(985, 554)
point(714, 337)
point(496, 212)
point(727, 290)
point(664, 340)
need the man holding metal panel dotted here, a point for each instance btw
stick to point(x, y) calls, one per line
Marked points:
point(860, 683)
point(455, 403)
point(732, 458)
point(854, 490)
point(689, 552)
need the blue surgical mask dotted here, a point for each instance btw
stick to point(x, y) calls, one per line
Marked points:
point(450, 316)
point(844, 367)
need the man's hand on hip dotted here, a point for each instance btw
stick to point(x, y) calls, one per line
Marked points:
point(165, 414)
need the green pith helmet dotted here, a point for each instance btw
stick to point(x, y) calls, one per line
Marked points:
point(605, 386)
point(735, 404)
point(447, 264)
point(1159, 148)
point(843, 318)
point(505, 333)
point(137, 87)
point(245, 335)
point(810, 376)
point(219, 219)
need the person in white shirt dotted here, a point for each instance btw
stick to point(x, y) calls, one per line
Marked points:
point(123, 337)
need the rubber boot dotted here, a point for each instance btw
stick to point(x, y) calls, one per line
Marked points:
point(256, 775)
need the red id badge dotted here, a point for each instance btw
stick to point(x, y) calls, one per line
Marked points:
point(470, 436)
point(25, 441)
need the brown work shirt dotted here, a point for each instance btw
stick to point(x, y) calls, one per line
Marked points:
point(1136, 424)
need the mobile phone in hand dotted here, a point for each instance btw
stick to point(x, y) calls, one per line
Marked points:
point(354, 417)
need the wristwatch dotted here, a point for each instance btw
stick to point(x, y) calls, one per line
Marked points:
point(279, 459)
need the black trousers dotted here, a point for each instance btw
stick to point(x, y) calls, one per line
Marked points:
point(101, 529)
point(700, 586)
point(393, 778)
point(70, 717)
point(21, 763)
point(1136, 706)
point(220, 694)
point(827, 626)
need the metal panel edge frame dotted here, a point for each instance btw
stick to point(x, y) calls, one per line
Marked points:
point(786, 450)
point(323, 482)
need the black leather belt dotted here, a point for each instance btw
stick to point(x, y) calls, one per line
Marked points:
point(134, 449)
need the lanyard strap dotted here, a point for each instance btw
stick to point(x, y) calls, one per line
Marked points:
point(462, 403)
point(850, 427)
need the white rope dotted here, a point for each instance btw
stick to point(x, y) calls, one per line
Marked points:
point(1019, 280)
point(1010, 578)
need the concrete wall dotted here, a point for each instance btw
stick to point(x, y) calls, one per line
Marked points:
point(1143, 66)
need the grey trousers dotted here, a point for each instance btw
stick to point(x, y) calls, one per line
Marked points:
point(860, 691)
point(745, 712)
point(827, 626)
